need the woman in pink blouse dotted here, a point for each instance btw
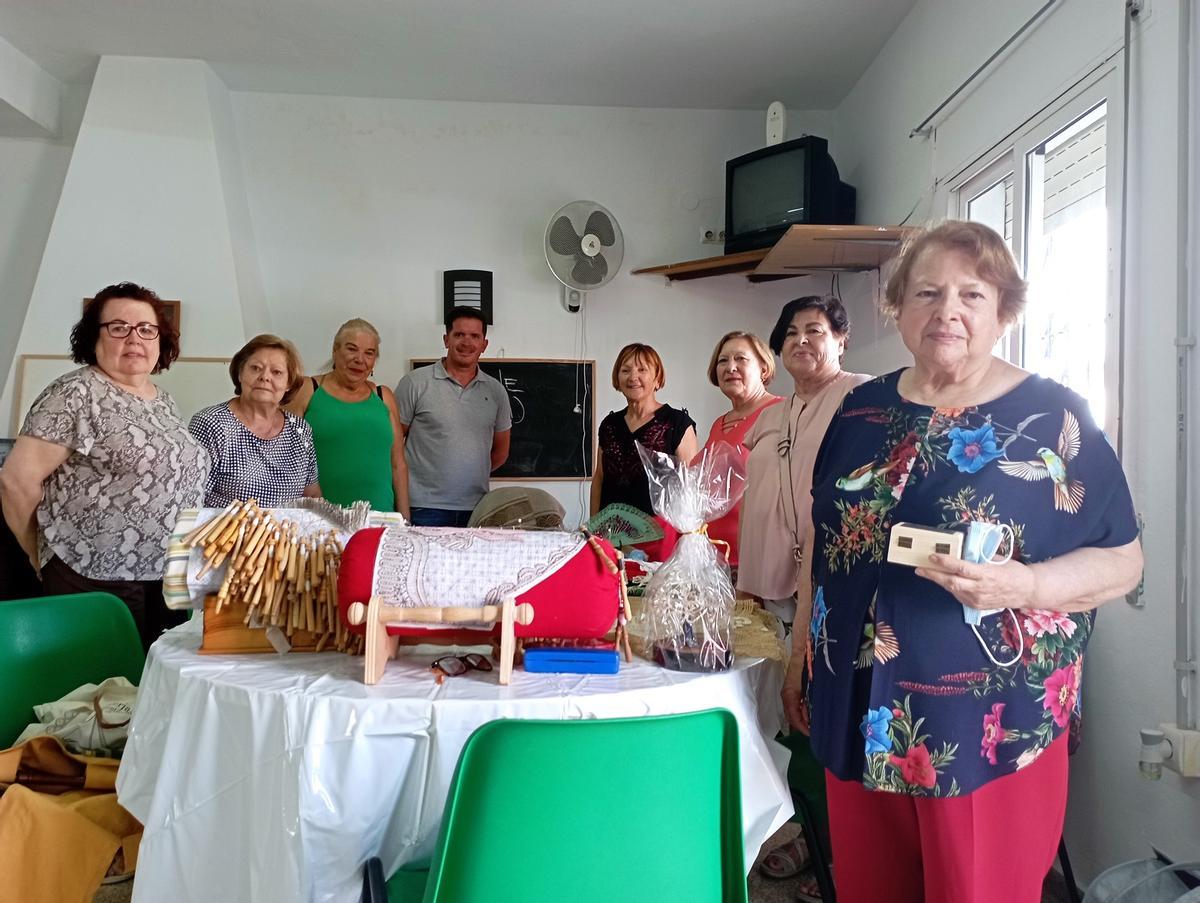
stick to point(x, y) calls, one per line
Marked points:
point(741, 367)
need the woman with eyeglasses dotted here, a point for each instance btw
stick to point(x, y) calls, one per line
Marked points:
point(104, 463)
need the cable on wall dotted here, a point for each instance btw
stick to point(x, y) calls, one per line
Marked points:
point(1186, 682)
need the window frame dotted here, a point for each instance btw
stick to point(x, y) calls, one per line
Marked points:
point(1012, 155)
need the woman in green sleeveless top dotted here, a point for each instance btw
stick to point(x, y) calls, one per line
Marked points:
point(355, 424)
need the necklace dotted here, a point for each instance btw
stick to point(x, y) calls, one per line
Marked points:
point(787, 489)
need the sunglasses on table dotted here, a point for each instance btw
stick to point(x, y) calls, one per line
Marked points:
point(454, 665)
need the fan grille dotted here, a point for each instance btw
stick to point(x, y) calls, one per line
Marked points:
point(569, 260)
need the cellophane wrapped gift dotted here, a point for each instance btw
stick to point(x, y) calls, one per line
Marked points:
point(687, 613)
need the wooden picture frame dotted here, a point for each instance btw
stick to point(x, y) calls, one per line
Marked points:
point(194, 382)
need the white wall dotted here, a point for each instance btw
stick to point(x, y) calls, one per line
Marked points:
point(1113, 815)
point(30, 98)
point(32, 170)
point(144, 199)
point(31, 178)
point(359, 205)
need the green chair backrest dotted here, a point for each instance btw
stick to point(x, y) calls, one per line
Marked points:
point(51, 646)
point(630, 809)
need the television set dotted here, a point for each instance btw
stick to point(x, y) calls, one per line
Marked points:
point(770, 190)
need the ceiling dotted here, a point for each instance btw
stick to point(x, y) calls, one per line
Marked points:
point(702, 54)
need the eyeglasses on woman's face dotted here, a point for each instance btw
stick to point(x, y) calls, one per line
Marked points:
point(119, 329)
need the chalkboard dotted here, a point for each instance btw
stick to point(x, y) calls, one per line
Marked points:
point(554, 415)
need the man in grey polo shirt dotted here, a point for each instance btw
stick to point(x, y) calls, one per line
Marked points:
point(457, 425)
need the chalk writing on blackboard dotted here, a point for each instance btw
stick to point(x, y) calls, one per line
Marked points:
point(512, 385)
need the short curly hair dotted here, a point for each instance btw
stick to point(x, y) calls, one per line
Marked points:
point(295, 369)
point(983, 246)
point(831, 307)
point(86, 333)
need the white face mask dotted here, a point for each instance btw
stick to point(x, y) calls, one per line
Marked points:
point(982, 542)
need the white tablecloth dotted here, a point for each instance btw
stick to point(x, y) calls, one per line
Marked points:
point(266, 778)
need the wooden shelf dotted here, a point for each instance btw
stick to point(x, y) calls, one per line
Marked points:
point(801, 250)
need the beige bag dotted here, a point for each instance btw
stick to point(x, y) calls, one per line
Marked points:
point(92, 720)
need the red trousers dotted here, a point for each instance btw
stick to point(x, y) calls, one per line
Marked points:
point(991, 846)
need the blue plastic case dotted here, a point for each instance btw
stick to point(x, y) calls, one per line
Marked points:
point(572, 661)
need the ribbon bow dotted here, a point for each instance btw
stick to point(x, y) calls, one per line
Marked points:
point(703, 531)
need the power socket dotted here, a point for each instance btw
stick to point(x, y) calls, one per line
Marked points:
point(712, 236)
point(1185, 750)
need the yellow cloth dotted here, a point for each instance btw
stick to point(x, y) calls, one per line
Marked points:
point(55, 847)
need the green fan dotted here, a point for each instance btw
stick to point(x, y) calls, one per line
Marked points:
point(624, 525)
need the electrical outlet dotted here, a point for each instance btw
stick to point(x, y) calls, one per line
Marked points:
point(712, 236)
point(1185, 750)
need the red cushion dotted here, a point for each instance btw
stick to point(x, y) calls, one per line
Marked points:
point(579, 600)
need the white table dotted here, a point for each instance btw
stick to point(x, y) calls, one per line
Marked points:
point(265, 778)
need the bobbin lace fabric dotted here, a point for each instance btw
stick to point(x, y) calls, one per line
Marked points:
point(446, 566)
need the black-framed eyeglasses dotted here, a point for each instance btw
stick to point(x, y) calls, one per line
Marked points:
point(454, 665)
point(119, 329)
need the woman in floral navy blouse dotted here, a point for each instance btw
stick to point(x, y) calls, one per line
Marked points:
point(944, 744)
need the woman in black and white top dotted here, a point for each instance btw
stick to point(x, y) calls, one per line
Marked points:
point(259, 451)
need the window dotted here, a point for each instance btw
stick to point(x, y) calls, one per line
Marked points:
point(1052, 192)
point(1066, 259)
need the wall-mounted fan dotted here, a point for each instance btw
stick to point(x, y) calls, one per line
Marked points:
point(584, 249)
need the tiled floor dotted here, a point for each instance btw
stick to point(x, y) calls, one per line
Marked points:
point(114, 893)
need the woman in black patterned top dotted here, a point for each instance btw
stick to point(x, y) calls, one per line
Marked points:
point(638, 374)
point(104, 463)
point(259, 451)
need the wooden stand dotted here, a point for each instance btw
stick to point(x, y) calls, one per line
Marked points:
point(227, 633)
point(381, 646)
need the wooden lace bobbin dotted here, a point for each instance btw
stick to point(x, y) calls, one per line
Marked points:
point(197, 535)
point(224, 539)
point(617, 569)
point(227, 582)
point(317, 564)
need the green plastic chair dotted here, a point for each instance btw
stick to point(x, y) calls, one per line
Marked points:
point(52, 645)
point(631, 809)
